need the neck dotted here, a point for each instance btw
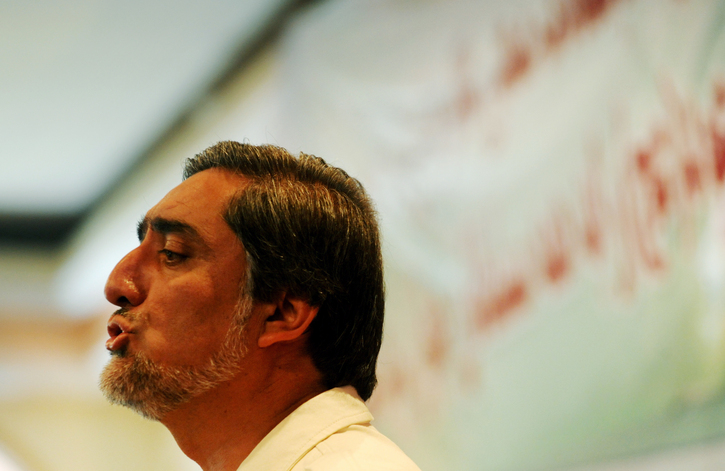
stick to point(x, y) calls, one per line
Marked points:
point(221, 427)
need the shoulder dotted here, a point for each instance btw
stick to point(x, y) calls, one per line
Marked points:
point(357, 447)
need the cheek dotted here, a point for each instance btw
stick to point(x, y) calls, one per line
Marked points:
point(191, 313)
point(189, 322)
point(226, 289)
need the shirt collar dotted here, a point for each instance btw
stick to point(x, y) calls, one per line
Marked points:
point(304, 428)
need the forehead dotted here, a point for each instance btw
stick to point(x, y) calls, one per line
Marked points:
point(201, 199)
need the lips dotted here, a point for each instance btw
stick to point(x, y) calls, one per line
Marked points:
point(119, 331)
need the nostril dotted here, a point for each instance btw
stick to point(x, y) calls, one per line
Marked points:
point(123, 301)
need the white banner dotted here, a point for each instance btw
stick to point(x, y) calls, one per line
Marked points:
point(549, 176)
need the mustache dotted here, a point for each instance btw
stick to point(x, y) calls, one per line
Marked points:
point(126, 314)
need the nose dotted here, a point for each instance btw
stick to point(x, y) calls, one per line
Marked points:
point(124, 286)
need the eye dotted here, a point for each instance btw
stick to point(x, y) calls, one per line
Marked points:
point(172, 258)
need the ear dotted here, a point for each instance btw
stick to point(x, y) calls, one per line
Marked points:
point(289, 321)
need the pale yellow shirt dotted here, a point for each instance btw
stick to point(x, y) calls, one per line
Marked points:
point(330, 432)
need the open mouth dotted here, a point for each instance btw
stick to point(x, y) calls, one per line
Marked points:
point(114, 329)
point(118, 336)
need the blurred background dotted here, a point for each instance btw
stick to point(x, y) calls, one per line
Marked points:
point(549, 176)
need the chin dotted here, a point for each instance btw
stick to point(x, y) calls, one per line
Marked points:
point(153, 390)
point(138, 383)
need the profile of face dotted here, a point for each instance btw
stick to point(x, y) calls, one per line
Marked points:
point(180, 328)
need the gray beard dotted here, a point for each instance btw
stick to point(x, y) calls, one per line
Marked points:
point(153, 390)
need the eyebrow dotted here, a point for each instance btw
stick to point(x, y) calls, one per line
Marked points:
point(167, 226)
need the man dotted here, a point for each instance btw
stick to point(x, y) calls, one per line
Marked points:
point(251, 315)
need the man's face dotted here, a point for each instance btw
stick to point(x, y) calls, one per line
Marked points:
point(179, 330)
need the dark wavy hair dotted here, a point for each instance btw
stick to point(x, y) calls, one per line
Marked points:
point(309, 229)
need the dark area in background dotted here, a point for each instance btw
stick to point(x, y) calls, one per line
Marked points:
point(52, 231)
point(37, 230)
